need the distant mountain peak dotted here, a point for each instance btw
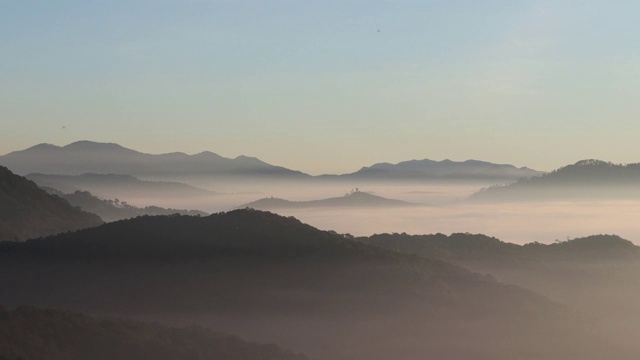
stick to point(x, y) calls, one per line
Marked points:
point(592, 162)
point(249, 159)
point(207, 153)
point(90, 143)
point(87, 145)
point(600, 240)
point(44, 146)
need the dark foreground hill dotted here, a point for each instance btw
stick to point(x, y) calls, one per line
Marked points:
point(596, 275)
point(33, 334)
point(356, 199)
point(274, 279)
point(586, 179)
point(27, 211)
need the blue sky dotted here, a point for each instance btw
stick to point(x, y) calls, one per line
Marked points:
point(326, 86)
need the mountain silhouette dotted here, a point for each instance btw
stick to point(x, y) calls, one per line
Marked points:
point(106, 158)
point(356, 199)
point(595, 275)
point(27, 211)
point(114, 186)
point(586, 179)
point(466, 248)
point(470, 170)
point(32, 333)
point(275, 279)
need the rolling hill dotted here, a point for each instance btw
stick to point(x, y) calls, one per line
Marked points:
point(586, 179)
point(595, 275)
point(356, 199)
point(466, 248)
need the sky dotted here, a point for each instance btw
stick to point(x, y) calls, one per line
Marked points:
point(326, 86)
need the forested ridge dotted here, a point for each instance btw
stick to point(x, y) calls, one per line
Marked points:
point(26, 211)
point(29, 333)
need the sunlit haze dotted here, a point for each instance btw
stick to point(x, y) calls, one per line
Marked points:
point(326, 87)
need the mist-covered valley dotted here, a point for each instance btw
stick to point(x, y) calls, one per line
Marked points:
point(428, 208)
point(330, 266)
point(415, 197)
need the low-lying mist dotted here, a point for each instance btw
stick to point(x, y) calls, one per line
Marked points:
point(445, 210)
point(517, 223)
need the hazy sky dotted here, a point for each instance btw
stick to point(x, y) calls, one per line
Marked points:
point(326, 86)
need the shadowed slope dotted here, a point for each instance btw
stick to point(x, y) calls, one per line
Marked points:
point(596, 275)
point(35, 334)
point(27, 211)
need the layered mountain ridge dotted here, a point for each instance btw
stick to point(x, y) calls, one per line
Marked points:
point(108, 158)
point(586, 179)
point(445, 169)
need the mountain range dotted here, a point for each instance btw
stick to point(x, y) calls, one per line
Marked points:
point(470, 170)
point(26, 211)
point(586, 179)
point(107, 158)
